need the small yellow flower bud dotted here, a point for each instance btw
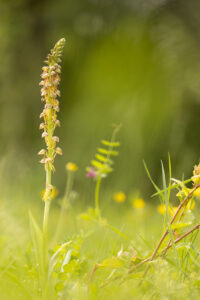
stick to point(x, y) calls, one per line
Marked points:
point(53, 191)
point(119, 197)
point(138, 203)
point(71, 167)
point(161, 208)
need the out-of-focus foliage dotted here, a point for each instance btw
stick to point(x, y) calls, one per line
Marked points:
point(132, 62)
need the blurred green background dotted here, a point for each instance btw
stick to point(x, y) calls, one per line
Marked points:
point(133, 62)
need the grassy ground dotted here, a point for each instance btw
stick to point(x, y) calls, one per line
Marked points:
point(94, 243)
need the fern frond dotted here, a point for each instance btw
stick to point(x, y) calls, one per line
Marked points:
point(110, 144)
point(101, 165)
point(105, 151)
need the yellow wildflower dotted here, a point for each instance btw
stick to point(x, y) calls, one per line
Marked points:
point(161, 208)
point(190, 204)
point(138, 203)
point(197, 192)
point(54, 193)
point(119, 197)
point(71, 167)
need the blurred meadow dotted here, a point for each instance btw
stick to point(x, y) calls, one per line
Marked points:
point(129, 62)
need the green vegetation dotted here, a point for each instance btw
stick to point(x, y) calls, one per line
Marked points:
point(122, 248)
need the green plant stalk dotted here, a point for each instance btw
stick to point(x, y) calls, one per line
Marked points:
point(49, 93)
point(97, 189)
point(46, 207)
point(45, 235)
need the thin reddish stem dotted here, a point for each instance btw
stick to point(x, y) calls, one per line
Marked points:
point(166, 231)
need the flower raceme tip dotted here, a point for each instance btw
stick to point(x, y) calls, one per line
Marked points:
point(49, 94)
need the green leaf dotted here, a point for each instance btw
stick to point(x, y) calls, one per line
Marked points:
point(54, 258)
point(17, 281)
point(106, 152)
point(174, 186)
point(189, 216)
point(103, 151)
point(110, 144)
point(97, 164)
point(107, 169)
point(114, 153)
point(66, 260)
point(104, 159)
point(59, 287)
point(180, 225)
point(148, 174)
point(112, 262)
point(116, 230)
point(101, 157)
point(166, 197)
point(170, 175)
point(86, 217)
